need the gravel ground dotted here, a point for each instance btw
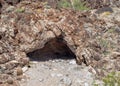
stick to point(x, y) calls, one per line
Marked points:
point(57, 72)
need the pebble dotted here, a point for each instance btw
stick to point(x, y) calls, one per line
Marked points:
point(57, 60)
point(115, 55)
point(19, 77)
point(33, 62)
point(10, 8)
point(52, 75)
point(25, 61)
point(59, 75)
point(3, 60)
point(19, 71)
point(41, 80)
point(24, 69)
point(86, 84)
point(10, 81)
point(69, 75)
point(72, 62)
point(66, 80)
point(92, 70)
point(54, 69)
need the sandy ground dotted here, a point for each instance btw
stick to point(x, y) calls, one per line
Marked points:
point(57, 72)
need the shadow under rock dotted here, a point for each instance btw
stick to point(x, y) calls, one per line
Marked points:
point(56, 48)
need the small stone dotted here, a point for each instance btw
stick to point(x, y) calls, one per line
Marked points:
point(86, 84)
point(41, 80)
point(72, 62)
point(52, 75)
point(19, 71)
point(24, 69)
point(11, 64)
point(10, 8)
point(92, 70)
point(59, 75)
point(19, 77)
point(54, 69)
point(2, 69)
point(115, 55)
point(3, 59)
point(10, 81)
point(67, 81)
point(104, 9)
point(57, 60)
point(24, 61)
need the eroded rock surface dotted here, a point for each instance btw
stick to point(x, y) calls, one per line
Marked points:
point(29, 25)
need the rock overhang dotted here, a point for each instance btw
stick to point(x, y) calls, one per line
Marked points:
point(30, 26)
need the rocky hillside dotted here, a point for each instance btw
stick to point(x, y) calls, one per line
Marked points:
point(30, 29)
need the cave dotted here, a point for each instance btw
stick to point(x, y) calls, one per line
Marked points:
point(55, 48)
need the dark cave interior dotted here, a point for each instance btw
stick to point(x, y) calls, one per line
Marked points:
point(55, 48)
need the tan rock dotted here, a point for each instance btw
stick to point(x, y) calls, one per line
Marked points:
point(115, 55)
point(34, 33)
point(10, 81)
point(3, 59)
point(24, 61)
point(19, 71)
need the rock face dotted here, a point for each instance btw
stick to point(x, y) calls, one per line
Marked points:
point(12, 2)
point(30, 30)
point(102, 3)
point(93, 4)
point(30, 26)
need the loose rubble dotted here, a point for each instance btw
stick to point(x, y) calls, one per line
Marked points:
point(29, 28)
point(60, 73)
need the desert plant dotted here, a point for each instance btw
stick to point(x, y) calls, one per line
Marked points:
point(104, 43)
point(74, 4)
point(79, 5)
point(112, 79)
point(64, 4)
point(20, 10)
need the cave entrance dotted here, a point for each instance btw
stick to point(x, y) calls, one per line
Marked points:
point(56, 48)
